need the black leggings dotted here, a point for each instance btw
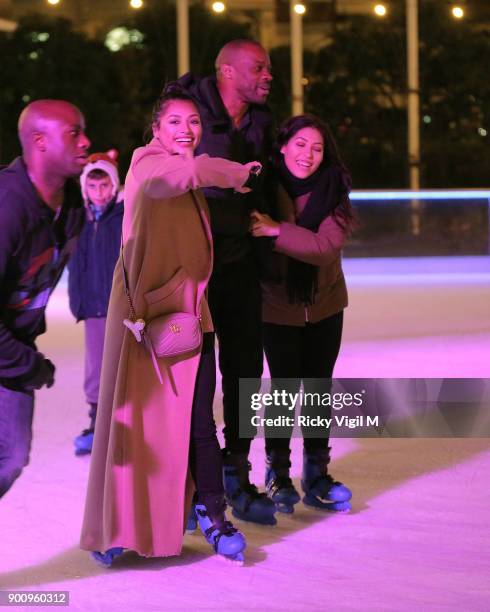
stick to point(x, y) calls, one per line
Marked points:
point(204, 453)
point(301, 353)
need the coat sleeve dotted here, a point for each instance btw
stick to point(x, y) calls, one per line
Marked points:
point(75, 271)
point(17, 360)
point(164, 176)
point(317, 248)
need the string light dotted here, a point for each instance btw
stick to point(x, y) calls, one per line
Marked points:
point(457, 12)
point(218, 7)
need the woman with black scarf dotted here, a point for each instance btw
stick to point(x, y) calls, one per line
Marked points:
point(304, 296)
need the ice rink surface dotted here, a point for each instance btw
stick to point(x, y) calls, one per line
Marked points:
point(418, 536)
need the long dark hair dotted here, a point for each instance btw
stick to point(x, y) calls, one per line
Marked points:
point(343, 212)
point(171, 91)
point(328, 188)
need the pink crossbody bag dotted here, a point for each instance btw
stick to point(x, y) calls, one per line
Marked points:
point(168, 335)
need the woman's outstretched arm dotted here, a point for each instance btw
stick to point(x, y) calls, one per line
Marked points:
point(166, 176)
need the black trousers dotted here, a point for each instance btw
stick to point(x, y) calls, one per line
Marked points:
point(302, 353)
point(235, 302)
point(204, 453)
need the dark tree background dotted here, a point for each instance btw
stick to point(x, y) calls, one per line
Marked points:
point(64, 64)
point(357, 83)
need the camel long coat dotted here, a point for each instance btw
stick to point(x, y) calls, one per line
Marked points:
point(139, 485)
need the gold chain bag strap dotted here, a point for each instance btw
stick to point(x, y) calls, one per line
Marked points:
point(167, 335)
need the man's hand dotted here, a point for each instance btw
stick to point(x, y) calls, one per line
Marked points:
point(254, 167)
point(43, 376)
point(262, 225)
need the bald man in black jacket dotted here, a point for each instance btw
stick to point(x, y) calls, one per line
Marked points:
point(237, 125)
point(41, 214)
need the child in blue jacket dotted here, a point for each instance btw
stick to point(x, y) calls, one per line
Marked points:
point(91, 270)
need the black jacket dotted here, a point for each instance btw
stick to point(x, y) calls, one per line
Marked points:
point(230, 212)
point(35, 244)
point(92, 265)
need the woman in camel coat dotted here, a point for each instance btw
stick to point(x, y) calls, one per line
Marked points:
point(152, 440)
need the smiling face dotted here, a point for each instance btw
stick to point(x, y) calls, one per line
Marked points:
point(179, 127)
point(251, 74)
point(303, 152)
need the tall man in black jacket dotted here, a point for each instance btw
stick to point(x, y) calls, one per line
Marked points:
point(41, 214)
point(237, 126)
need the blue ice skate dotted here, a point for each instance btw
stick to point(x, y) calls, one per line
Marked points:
point(321, 490)
point(226, 540)
point(278, 484)
point(191, 520)
point(108, 557)
point(83, 442)
point(246, 502)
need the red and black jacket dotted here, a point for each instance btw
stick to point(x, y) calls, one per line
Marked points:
point(35, 245)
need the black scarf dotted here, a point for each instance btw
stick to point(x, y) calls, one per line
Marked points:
point(324, 189)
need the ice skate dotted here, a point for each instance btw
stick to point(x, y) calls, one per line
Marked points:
point(226, 540)
point(191, 520)
point(84, 442)
point(278, 484)
point(245, 500)
point(321, 490)
point(108, 557)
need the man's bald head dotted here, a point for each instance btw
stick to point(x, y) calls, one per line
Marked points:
point(231, 52)
point(243, 72)
point(52, 134)
point(39, 115)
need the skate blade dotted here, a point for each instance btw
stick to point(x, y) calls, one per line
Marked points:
point(326, 506)
point(236, 559)
point(271, 520)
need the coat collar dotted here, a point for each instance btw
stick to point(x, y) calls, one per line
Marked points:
point(205, 90)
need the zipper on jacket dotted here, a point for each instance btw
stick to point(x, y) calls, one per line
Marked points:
point(307, 318)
